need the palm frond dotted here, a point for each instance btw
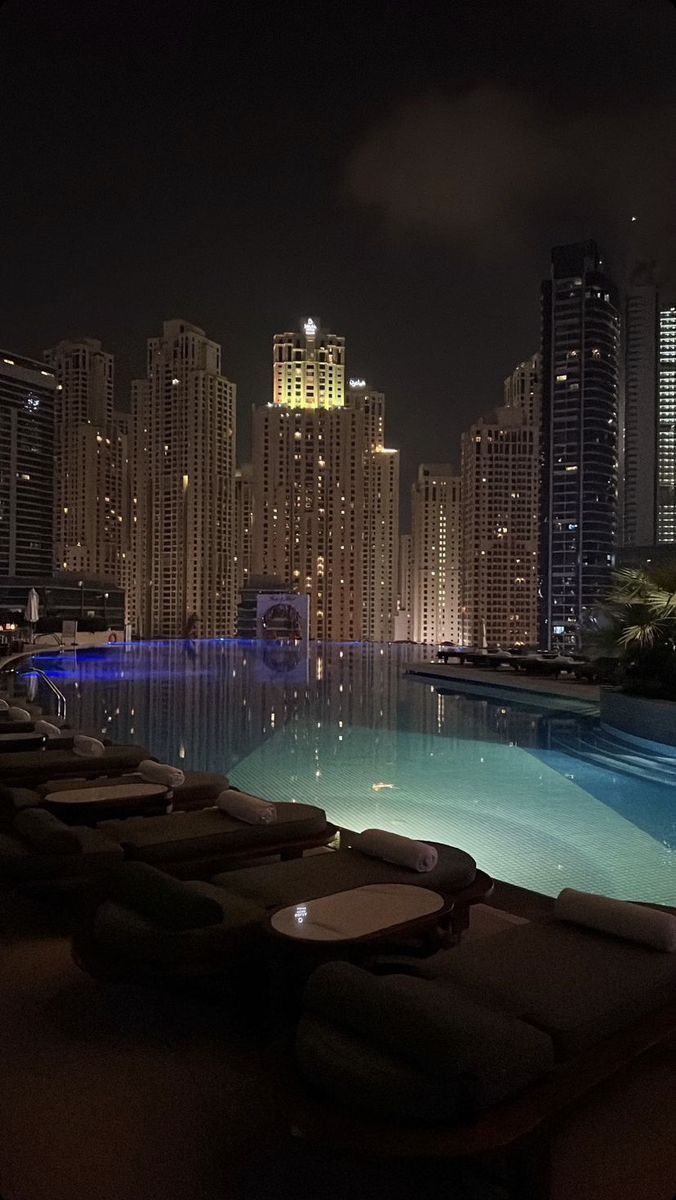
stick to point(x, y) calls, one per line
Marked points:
point(645, 635)
point(660, 601)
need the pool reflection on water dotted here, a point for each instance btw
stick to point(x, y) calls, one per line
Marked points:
point(342, 726)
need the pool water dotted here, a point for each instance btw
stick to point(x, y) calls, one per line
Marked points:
point(532, 788)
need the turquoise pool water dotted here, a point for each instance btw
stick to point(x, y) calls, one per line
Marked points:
point(538, 794)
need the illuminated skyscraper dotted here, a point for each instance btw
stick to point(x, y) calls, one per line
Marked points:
point(523, 388)
point(666, 425)
point(381, 516)
point(402, 621)
point(580, 411)
point(640, 411)
point(326, 489)
point(649, 465)
point(435, 555)
point(27, 394)
point(500, 479)
point(91, 486)
point(183, 499)
point(244, 520)
point(309, 368)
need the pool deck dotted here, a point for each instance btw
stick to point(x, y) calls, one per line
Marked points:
point(119, 1092)
point(504, 678)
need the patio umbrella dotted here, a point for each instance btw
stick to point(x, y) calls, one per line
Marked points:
point(32, 608)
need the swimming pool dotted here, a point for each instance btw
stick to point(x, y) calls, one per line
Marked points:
point(537, 793)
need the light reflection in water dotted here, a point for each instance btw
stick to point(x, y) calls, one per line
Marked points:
point(472, 770)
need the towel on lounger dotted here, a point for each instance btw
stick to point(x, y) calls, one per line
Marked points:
point(87, 747)
point(393, 848)
point(49, 730)
point(162, 773)
point(244, 807)
point(4, 706)
point(18, 714)
point(636, 922)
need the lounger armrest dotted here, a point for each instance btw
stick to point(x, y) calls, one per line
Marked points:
point(93, 841)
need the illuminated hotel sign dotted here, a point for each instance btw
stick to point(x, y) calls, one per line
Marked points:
point(356, 383)
point(310, 328)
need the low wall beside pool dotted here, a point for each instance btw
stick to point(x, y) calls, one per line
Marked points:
point(639, 717)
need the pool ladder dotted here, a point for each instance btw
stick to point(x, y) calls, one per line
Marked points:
point(60, 698)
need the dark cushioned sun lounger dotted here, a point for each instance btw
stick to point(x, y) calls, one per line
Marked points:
point(199, 790)
point(577, 984)
point(210, 834)
point(521, 1024)
point(412, 1049)
point(138, 940)
point(104, 948)
point(28, 768)
point(321, 874)
point(16, 726)
point(22, 863)
point(150, 925)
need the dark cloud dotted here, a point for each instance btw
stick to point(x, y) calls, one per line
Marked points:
point(494, 166)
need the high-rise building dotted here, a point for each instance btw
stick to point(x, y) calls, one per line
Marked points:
point(402, 622)
point(435, 555)
point(244, 519)
point(500, 480)
point(309, 505)
point(309, 368)
point(666, 425)
point(381, 516)
point(649, 450)
point(325, 489)
point(91, 514)
point(639, 473)
point(523, 388)
point(183, 496)
point(27, 394)
point(580, 410)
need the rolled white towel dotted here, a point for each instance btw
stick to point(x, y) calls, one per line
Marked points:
point(244, 807)
point(621, 918)
point(393, 848)
point(4, 706)
point(18, 714)
point(154, 772)
point(87, 747)
point(49, 730)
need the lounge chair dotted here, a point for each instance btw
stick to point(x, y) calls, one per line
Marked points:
point(44, 848)
point(151, 927)
point(279, 884)
point(28, 768)
point(196, 844)
point(7, 726)
point(100, 948)
point(483, 1055)
point(199, 789)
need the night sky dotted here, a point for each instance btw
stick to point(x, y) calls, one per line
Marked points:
point(398, 169)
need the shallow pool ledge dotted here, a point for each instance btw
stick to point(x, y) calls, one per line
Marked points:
point(639, 718)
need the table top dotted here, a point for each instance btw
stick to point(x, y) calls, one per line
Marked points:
point(110, 793)
point(357, 913)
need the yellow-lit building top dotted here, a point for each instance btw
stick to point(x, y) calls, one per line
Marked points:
point(309, 368)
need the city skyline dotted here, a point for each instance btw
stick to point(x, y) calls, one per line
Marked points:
point(123, 391)
point(155, 499)
point(239, 199)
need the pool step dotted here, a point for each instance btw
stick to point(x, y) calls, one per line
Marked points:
point(603, 750)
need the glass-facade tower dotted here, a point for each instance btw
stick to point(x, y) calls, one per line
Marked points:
point(666, 426)
point(580, 401)
point(27, 394)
